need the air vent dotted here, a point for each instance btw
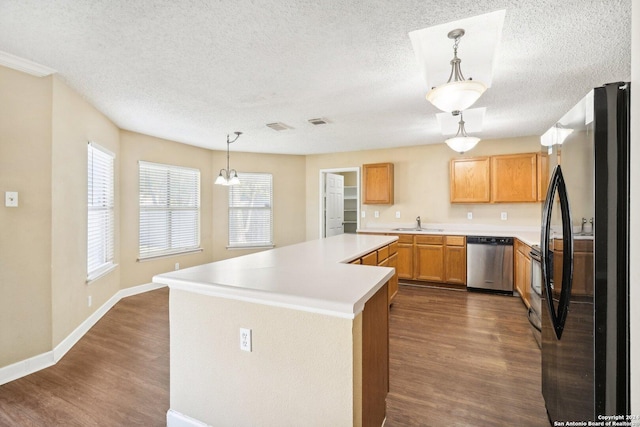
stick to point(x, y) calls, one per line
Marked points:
point(278, 126)
point(318, 121)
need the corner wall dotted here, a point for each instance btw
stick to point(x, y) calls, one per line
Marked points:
point(421, 176)
point(25, 231)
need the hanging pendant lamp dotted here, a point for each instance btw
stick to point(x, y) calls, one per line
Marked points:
point(228, 176)
point(461, 142)
point(459, 94)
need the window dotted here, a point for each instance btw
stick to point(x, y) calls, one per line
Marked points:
point(100, 216)
point(250, 211)
point(169, 210)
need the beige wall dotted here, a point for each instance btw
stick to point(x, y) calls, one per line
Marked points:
point(635, 210)
point(25, 239)
point(293, 375)
point(421, 175)
point(74, 123)
point(136, 147)
point(289, 208)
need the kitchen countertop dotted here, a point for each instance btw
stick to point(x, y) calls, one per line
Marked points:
point(527, 234)
point(311, 276)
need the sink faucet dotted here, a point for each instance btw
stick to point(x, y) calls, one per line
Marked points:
point(419, 224)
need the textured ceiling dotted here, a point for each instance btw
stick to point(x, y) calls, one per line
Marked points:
point(193, 71)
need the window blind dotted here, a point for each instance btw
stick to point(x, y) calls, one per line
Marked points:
point(100, 215)
point(169, 209)
point(250, 211)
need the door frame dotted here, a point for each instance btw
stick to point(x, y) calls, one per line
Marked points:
point(323, 175)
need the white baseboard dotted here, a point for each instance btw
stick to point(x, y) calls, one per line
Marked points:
point(33, 364)
point(176, 419)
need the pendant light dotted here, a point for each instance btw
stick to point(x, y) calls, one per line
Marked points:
point(461, 142)
point(228, 176)
point(459, 94)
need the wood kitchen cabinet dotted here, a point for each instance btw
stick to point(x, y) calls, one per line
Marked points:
point(405, 256)
point(522, 271)
point(455, 260)
point(582, 284)
point(377, 184)
point(429, 257)
point(393, 282)
point(386, 256)
point(514, 178)
point(543, 175)
point(469, 180)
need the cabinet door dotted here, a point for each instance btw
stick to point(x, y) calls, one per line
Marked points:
point(522, 271)
point(405, 261)
point(377, 183)
point(430, 263)
point(514, 178)
point(543, 176)
point(393, 282)
point(455, 261)
point(469, 180)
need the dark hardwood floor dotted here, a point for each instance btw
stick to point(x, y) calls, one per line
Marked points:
point(456, 359)
point(116, 375)
point(462, 358)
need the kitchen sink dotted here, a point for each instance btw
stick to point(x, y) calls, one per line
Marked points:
point(419, 229)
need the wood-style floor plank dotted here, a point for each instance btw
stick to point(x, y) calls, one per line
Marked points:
point(462, 358)
point(456, 359)
point(116, 375)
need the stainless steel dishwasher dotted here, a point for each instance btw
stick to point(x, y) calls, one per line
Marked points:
point(490, 263)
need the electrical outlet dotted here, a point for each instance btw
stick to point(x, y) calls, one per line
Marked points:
point(11, 199)
point(469, 215)
point(397, 214)
point(363, 214)
point(89, 301)
point(376, 214)
point(177, 266)
point(503, 216)
point(245, 339)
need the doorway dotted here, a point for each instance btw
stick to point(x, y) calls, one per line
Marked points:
point(339, 210)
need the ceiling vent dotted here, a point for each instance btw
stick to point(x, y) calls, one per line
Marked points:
point(318, 121)
point(278, 126)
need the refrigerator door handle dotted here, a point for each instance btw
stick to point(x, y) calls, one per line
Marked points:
point(559, 316)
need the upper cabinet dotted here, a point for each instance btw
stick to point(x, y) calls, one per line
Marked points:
point(377, 184)
point(510, 178)
point(514, 178)
point(470, 180)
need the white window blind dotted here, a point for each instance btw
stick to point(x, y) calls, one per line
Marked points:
point(250, 211)
point(169, 210)
point(100, 216)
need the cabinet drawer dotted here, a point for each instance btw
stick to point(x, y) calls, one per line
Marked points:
point(522, 247)
point(370, 259)
point(455, 240)
point(405, 238)
point(383, 253)
point(393, 248)
point(356, 261)
point(429, 240)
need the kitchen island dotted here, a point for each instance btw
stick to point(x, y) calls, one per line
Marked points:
point(318, 344)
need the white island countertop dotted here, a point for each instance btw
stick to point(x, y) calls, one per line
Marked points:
point(311, 276)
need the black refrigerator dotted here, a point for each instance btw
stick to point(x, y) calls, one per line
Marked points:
point(585, 260)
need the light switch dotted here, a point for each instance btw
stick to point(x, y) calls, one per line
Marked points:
point(11, 199)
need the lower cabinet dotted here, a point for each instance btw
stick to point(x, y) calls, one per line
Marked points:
point(455, 260)
point(393, 283)
point(386, 256)
point(405, 256)
point(429, 256)
point(522, 271)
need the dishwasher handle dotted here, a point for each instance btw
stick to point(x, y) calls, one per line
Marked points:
point(490, 240)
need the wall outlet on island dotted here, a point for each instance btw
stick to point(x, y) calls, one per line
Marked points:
point(245, 339)
point(503, 216)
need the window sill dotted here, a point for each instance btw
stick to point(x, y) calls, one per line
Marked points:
point(172, 254)
point(101, 273)
point(232, 248)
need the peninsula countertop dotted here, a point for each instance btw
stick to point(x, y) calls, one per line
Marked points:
point(310, 276)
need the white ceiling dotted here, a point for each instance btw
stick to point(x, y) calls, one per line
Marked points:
point(193, 71)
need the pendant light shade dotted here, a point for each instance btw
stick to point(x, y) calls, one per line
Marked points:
point(461, 142)
point(228, 176)
point(457, 93)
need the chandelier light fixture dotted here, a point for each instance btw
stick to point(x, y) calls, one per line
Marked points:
point(459, 94)
point(228, 176)
point(461, 142)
